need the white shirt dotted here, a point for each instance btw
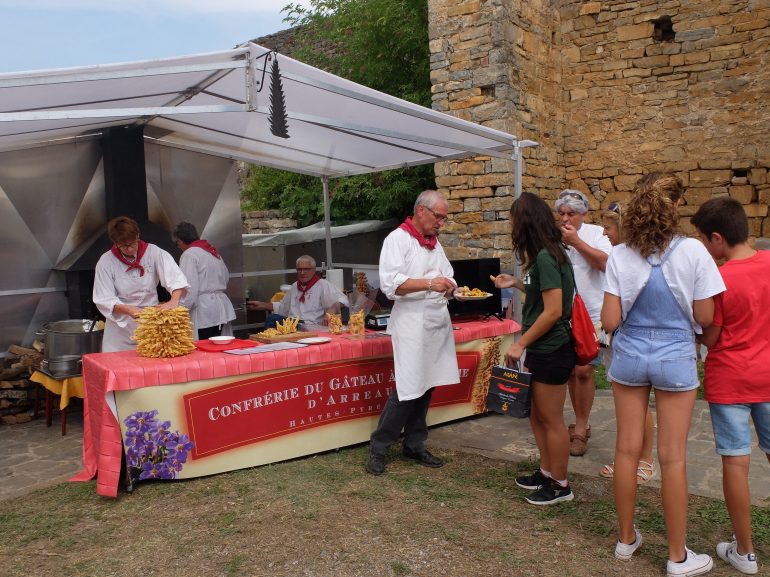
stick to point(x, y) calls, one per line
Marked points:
point(423, 342)
point(690, 272)
point(590, 280)
point(321, 296)
point(113, 286)
point(208, 277)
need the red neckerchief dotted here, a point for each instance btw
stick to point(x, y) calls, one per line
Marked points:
point(204, 244)
point(141, 249)
point(303, 288)
point(428, 242)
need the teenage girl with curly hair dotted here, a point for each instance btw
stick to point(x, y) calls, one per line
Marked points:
point(549, 286)
point(658, 290)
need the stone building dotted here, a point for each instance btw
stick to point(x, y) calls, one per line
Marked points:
point(610, 90)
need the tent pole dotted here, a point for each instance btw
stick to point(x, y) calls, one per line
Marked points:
point(327, 221)
point(518, 145)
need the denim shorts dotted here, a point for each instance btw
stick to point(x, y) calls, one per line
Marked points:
point(662, 358)
point(732, 432)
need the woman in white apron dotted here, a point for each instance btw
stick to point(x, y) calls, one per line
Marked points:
point(126, 281)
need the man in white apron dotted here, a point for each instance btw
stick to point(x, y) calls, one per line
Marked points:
point(416, 274)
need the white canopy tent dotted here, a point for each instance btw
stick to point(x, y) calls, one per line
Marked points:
point(249, 104)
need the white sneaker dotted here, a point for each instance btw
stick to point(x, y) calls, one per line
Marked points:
point(623, 551)
point(744, 563)
point(694, 564)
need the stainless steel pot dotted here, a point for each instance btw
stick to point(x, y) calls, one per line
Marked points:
point(71, 338)
point(64, 366)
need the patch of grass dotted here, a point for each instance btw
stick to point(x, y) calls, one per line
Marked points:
point(337, 520)
point(510, 559)
point(233, 565)
point(598, 517)
point(400, 568)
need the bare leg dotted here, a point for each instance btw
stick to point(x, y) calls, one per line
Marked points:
point(581, 393)
point(735, 483)
point(538, 430)
point(674, 417)
point(630, 407)
point(649, 437)
point(552, 437)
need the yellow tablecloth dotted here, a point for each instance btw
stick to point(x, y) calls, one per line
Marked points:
point(66, 388)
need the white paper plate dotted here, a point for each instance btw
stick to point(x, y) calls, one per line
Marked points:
point(314, 340)
point(221, 340)
point(478, 298)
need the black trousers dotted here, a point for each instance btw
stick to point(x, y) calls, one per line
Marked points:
point(214, 331)
point(409, 416)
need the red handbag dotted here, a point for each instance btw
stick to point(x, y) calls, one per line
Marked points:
point(583, 332)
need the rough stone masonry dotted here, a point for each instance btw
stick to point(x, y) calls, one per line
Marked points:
point(610, 90)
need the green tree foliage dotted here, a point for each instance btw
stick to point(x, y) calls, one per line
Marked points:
point(382, 44)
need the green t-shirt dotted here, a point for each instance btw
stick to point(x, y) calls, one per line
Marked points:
point(543, 275)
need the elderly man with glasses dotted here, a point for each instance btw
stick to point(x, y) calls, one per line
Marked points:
point(416, 274)
point(309, 299)
point(588, 249)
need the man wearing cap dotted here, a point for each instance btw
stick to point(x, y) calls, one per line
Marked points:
point(588, 250)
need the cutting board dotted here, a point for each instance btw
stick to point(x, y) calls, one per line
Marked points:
point(283, 338)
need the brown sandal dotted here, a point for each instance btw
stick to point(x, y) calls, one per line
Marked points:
point(578, 445)
point(571, 430)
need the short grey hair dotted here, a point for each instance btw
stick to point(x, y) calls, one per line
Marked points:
point(306, 258)
point(428, 198)
point(573, 199)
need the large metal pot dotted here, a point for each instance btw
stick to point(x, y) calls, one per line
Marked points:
point(64, 366)
point(65, 340)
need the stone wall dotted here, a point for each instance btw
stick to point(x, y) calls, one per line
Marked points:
point(495, 65)
point(266, 222)
point(610, 90)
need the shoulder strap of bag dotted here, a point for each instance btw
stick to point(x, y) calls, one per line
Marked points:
point(565, 319)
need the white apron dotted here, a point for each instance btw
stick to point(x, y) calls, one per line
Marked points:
point(114, 285)
point(423, 342)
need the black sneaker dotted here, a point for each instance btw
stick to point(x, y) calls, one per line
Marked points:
point(550, 494)
point(533, 481)
point(375, 464)
point(424, 457)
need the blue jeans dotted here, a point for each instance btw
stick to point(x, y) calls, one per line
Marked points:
point(732, 432)
point(272, 319)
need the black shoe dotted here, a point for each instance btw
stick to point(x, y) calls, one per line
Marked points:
point(424, 457)
point(533, 481)
point(375, 464)
point(550, 494)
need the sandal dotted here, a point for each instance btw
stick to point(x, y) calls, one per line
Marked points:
point(571, 430)
point(578, 445)
point(607, 471)
point(645, 471)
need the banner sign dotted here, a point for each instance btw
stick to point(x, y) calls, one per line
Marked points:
point(209, 426)
point(262, 407)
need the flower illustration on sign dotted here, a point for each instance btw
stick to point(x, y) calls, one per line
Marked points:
point(153, 451)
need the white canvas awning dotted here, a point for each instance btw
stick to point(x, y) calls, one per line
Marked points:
point(221, 103)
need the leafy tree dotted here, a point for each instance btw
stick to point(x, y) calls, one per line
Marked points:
point(382, 44)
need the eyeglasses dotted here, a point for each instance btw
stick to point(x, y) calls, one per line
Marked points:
point(129, 245)
point(614, 207)
point(439, 217)
point(572, 195)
